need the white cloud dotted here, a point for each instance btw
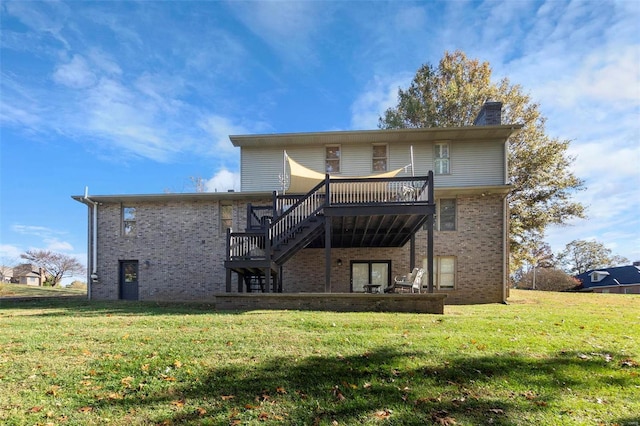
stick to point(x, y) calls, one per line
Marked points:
point(10, 254)
point(287, 27)
point(219, 128)
point(75, 74)
point(222, 181)
point(56, 245)
point(379, 94)
point(38, 231)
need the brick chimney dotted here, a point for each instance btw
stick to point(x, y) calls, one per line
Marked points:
point(490, 114)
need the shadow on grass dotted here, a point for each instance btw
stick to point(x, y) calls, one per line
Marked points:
point(494, 389)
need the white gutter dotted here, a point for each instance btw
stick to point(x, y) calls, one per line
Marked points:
point(94, 241)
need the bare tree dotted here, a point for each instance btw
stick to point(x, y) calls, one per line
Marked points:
point(57, 265)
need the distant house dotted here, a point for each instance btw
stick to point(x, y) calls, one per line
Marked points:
point(28, 274)
point(621, 280)
point(6, 273)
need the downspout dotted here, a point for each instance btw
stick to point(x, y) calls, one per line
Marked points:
point(506, 224)
point(94, 241)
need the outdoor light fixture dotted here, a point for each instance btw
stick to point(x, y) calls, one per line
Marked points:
point(147, 264)
point(339, 262)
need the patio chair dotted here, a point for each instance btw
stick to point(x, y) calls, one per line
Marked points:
point(411, 282)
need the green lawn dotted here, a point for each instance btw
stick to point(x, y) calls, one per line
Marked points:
point(22, 290)
point(544, 359)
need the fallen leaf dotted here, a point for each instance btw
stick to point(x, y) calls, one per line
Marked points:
point(36, 409)
point(201, 411)
point(85, 409)
point(281, 390)
point(126, 381)
point(177, 364)
point(178, 403)
point(442, 418)
point(382, 414)
point(53, 390)
point(227, 397)
point(263, 416)
point(496, 410)
point(145, 367)
point(115, 396)
point(337, 393)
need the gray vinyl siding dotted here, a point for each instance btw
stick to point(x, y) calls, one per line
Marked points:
point(260, 169)
point(471, 164)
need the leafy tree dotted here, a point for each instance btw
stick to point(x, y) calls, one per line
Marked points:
point(57, 265)
point(582, 255)
point(452, 94)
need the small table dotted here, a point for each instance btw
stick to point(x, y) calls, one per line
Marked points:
point(372, 288)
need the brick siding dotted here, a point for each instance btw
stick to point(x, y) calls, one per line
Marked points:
point(185, 251)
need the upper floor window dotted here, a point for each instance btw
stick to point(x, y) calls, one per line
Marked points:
point(379, 158)
point(441, 162)
point(128, 220)
point(226, 217)
point(332, 159)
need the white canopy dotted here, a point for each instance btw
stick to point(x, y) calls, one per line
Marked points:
point(303, 179)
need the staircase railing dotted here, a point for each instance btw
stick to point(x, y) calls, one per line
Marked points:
point(291, 216)
point(279, 223)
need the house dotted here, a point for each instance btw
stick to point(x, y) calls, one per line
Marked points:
point(29, 274)
point(6, 274)
point(621, 280)
point(320, 213)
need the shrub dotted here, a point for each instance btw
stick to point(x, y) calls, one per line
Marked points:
point(547, 279)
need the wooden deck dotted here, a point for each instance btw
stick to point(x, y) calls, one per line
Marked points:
point(423, 303)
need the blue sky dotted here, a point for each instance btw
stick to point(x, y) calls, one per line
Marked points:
point(137, 97)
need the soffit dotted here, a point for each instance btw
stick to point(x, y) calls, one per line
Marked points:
point(465, 133)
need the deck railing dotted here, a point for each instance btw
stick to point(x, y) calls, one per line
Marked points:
point(278, 223)
point(246, 245)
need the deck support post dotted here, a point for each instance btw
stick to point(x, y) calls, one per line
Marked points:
point(430, 265)
point(327, 239)
point(412, 252)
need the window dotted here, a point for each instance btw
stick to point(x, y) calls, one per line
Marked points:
point(444, 274)
point(332, 159)
point(441, 163)
point(446, 214)
point(226, 217)
point(128, 221)
point(379, 158)
point(445, 217)
point(376, 272)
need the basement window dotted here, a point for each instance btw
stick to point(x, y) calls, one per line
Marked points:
point(444, 274)
point(226, 217)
